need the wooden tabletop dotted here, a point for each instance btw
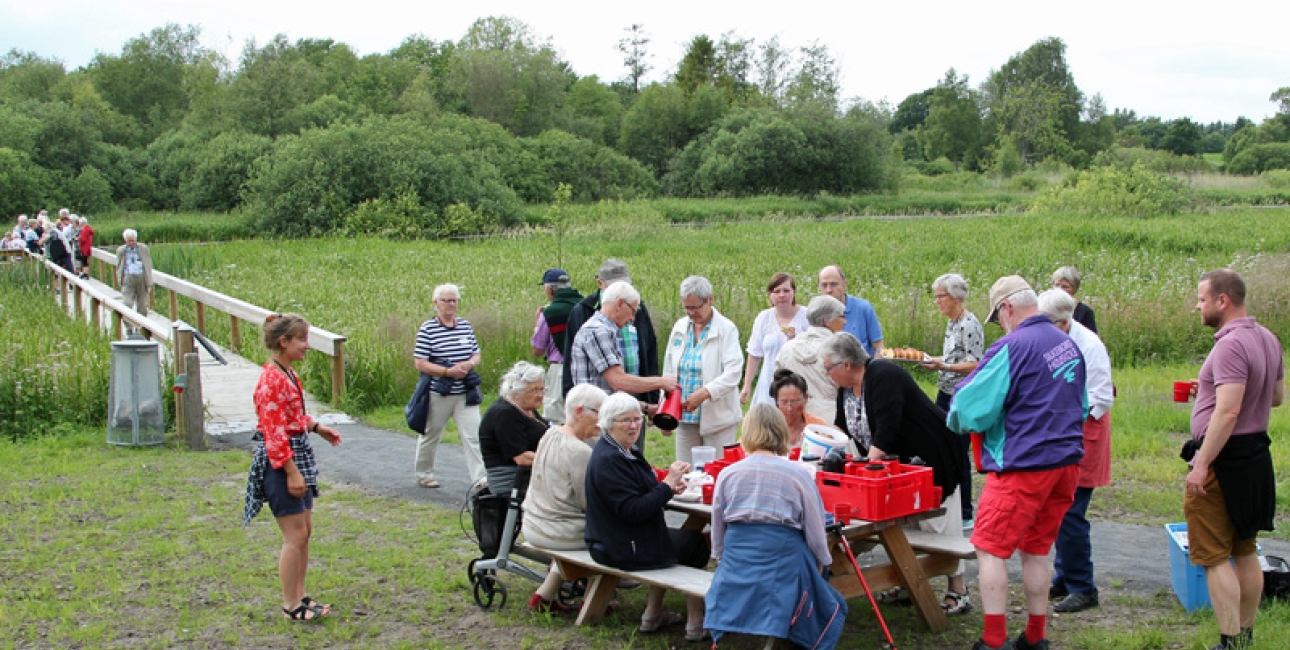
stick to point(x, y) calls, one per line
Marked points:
point(856, 529)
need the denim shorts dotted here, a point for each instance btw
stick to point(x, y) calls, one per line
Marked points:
point(281, 503)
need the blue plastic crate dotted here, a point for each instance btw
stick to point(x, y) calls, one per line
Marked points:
point(1188, 579)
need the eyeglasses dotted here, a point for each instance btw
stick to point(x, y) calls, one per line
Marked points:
point(695, 308)
point(829, 367)
point(790, 403)
point(635, 308)
point(941, 296)
point(536, 390)
point(631, 422)
point(451, 300)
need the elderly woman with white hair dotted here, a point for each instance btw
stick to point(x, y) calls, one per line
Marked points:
point(512, 427)
point(625, 523)
point(703, 354)
point(556, 504)
point(963, 348)
point(802, 354)
point(448, 352)
point(1067, 279)
point(1073, 566)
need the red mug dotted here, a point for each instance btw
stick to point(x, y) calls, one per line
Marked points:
point(1182, 391)
point(707, 492)
point(842, 513)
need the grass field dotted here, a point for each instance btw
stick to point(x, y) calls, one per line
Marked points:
point(1139, 275)
point(105, 547)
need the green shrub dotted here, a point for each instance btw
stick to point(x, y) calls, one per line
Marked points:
point(1027, 182)
point(89, 192)
point(23, 184)
point(1114, 191)
point(310, 182)
point(938, 167)
point(224, 164)
point(1276, 178)
point(758, 151)
point(402, 217)
point(1155, 160)
point(593, 172)
point(1261, 158)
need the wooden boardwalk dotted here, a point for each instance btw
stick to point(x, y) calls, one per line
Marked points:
point(226, 389)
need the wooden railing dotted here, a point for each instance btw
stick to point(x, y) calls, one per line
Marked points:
point(328, 343)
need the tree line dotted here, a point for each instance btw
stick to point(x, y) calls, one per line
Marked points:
point(445, 137)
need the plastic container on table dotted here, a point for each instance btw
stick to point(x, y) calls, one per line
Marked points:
point(903, 490)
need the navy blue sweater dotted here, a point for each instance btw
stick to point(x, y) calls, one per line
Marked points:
point(625, 509)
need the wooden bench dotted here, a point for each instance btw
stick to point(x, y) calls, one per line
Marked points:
point(937, 544)
point(602, 580)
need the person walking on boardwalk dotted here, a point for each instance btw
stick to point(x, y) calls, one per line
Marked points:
point(283, 471)
point(134, 272)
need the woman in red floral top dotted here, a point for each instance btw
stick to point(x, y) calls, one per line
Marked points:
point(284, 472)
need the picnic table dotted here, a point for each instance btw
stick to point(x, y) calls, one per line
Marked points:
point(904, 568)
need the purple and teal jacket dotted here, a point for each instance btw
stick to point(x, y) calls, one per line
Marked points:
point(1027, 397)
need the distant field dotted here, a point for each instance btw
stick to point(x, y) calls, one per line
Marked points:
point(1139, 276)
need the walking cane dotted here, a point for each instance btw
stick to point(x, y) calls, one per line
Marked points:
point(837, 529)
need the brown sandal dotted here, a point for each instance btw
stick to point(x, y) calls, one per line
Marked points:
point(428, 483)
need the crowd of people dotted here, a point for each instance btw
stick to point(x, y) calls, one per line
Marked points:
point(1031, 412)
point(67, 241)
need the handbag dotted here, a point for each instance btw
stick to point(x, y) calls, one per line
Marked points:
point(417, 411)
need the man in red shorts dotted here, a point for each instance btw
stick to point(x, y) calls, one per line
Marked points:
point(1025, 404)
point(1231, 489)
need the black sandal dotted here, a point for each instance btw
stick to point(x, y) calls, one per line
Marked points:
point(317, 607)
point(302, 613)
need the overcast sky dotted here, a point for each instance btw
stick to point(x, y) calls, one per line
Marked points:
point(1210, 62)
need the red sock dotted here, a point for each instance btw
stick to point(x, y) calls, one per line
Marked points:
point(1035, 628)
point(996, 630)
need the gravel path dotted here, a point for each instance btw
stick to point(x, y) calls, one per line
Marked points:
point(1132, 556)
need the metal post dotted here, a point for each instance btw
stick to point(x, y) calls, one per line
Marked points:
point(194, 417)
point(183, 346)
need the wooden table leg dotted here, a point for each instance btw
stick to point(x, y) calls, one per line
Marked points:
point(695, 523)
point(600, 590)
point(907, 566)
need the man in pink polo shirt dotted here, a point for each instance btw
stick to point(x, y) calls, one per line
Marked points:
point(1231, 489)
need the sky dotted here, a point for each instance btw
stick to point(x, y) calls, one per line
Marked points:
point(1210, 62)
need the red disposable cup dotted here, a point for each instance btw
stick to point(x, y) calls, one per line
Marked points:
point(1182, 391)
point(660, 473)
point(707, 492)
point(795, 453)
point(978, 440)
point(842, 512)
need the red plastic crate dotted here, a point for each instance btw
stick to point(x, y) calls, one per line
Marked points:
point(906, 490)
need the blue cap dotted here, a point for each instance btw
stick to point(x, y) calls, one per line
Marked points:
point(553, 276)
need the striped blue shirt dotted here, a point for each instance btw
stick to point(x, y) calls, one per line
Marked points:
point(447, 346)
